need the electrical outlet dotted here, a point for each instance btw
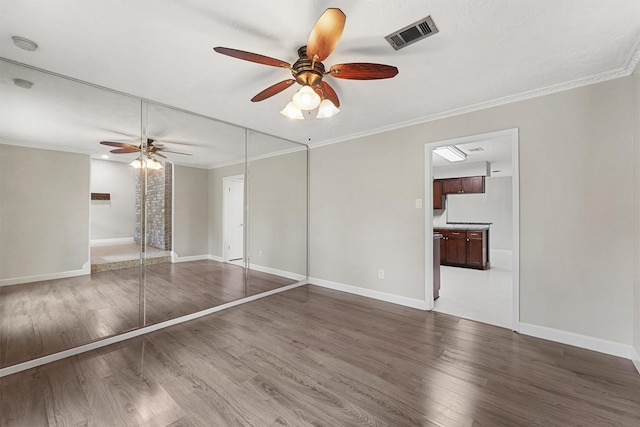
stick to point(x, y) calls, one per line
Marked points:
point(380, 274)
point(260, 253)
point(418, 203)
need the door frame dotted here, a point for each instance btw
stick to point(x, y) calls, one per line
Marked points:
point(225, 216)
point(515, 210)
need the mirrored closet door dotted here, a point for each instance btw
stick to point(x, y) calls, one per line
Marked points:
point(117, 213)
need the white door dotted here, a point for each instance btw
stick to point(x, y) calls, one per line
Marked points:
point(234, 218)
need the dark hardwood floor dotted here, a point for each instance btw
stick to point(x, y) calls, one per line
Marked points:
point(45, 317)
point(312, 356)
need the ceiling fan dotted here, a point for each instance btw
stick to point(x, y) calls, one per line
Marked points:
point(153, 148)
point(309, 70)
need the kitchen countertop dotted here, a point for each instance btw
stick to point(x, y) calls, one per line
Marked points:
point(460, 226)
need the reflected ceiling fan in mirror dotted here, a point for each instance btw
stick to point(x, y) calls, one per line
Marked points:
point(153, 148)
point(308, 70)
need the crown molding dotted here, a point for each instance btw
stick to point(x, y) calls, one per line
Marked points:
point(627, 70)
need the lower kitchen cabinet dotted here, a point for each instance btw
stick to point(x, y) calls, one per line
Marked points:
point(464, 248)
point(476, 249)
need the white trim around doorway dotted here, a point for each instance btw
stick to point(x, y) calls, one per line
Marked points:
point(428, 205)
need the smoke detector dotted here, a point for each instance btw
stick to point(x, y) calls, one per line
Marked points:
point(24, 84)
point(412, 33)
point(25, 44)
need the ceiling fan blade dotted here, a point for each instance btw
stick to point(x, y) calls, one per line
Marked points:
point(363, 71)
point(272, 90)
point(120, 144)
point(326, 91)
point(253, 57)
point(325, 34)
point(155, 153)
point(125, 150)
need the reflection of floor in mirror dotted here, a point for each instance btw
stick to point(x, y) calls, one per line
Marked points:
point(113, 257)
point(481, 295)
point(45, 317)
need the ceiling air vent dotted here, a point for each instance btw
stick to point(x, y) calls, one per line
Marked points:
point(412, 33)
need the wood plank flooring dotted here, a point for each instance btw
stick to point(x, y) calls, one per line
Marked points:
point(45, 317)
point(317, 357)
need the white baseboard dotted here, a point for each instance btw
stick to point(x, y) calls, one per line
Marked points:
point(132, 334)
point(177, 258)
point(86, 269)
point(369, 293)
point(635, 358)
point(583, 341)
point(110, 242)
point(275, 271)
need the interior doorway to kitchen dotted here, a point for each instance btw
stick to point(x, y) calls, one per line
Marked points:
point(491, 295)
point(233, 219)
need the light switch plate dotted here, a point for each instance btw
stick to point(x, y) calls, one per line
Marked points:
point(418, 203)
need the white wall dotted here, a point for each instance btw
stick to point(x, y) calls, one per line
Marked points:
point(278, 212)
point(191, 211)
point(493, 206)
point(44, 212)
point(576, 263)
point(115, 218)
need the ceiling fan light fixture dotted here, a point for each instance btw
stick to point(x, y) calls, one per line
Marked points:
point(153, 164)
point(292, 111)
point(306, 98)
point(327, 109)
point(148, 163)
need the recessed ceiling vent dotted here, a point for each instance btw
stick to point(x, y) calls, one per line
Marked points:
point(412, 33)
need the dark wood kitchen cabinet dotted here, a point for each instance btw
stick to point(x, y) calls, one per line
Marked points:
point(476, 250)
point(455, 247)
point(473, 184)
point(466, 185)
point(438, 197)
point(464, 248)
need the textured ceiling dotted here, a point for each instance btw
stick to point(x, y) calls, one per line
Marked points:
point(486, 52)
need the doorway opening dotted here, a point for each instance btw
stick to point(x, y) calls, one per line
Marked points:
point(115, 216)
point(233, 219)
point(487, 295)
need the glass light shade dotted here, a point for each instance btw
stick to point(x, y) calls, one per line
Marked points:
point(148, 163)
point(327, 109)
point(292, 112)
point(306, 98)
point(153, 164)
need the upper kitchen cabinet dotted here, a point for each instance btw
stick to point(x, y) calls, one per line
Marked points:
point(438, 195)
point(466, 185)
